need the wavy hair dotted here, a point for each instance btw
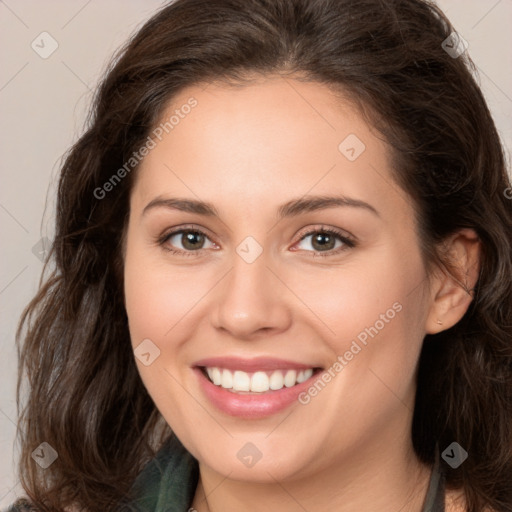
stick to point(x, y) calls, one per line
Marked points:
point(85, 396)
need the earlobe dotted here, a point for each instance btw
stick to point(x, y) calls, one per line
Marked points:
point(453, 286)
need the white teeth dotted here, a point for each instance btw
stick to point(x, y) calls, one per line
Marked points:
point(216, 376)
point(227, 379)
point(276, 380)
point(307, 374)
point(258, 382)
point(290, 378)
point(241, 381)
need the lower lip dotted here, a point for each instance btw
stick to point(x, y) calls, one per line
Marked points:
point(253, 405)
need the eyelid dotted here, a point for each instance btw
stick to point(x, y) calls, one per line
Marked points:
point(185, 227)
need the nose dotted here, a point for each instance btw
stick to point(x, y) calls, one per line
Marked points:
point(251, 301)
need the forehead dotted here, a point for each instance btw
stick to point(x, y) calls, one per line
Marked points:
point(258, 144)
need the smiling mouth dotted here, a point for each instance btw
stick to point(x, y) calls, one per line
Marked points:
point(239, 381)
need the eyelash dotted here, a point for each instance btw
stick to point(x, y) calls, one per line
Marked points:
point(348, 242)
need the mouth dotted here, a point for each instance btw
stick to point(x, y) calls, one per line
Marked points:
point(253, 388)
point(260, 381)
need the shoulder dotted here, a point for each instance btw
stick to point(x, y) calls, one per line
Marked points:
point(455, 501)
point(25, 505)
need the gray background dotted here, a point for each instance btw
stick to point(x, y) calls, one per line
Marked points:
point(43, 103)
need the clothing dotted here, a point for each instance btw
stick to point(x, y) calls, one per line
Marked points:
point(434, 501)
point(168, 484)
point(21, 505)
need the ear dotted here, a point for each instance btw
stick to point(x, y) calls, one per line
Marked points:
point(451, 294)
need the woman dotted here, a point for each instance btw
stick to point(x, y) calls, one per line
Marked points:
point(282, 273)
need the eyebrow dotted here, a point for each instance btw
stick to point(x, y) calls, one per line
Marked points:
point(291, 208)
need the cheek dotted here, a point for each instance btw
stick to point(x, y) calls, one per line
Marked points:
point(157, 295)
point(365, 290)
point(158, 303)
point(154, 303)
point(369, 313)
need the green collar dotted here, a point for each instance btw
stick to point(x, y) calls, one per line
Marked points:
point(167, 483)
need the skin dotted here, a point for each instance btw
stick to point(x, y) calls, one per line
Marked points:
point(247, 150)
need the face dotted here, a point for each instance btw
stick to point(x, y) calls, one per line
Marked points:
point(269, 283)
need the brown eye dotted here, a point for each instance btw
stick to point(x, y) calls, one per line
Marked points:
point(192, 240)
point(323, 241)
point(185, 241)
point(326, 242)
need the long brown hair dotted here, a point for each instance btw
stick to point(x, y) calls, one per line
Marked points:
point(85, 397)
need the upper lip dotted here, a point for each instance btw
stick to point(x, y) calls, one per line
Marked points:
point(253, 364)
